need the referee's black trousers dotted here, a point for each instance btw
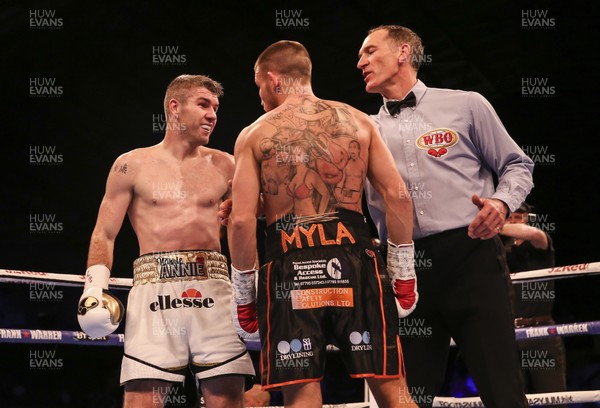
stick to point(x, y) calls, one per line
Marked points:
point(463, 286)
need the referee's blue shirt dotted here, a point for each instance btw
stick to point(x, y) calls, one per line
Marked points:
point(447, 148)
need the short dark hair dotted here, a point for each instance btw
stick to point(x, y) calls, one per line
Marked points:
point(289, 58)
point(180, 86)
point(402, 35)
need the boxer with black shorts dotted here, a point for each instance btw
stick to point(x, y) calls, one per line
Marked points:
point(178, 312)
point(323, 282)
point(321, 285)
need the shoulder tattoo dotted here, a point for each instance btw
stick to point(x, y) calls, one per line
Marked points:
point(120, 168)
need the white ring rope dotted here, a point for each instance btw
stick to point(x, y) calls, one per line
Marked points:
point(62, 279)
point(558, 272)
point(534, 400)
point(19, 276)
point(556, 398)
point(21, 335)
point(346, 405)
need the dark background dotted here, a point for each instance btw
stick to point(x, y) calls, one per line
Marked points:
point(101, 56)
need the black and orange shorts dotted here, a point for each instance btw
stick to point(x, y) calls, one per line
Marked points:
point(325, 284)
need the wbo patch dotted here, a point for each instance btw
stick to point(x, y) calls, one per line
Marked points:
point(437, 141)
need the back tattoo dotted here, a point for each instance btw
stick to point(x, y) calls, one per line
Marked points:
point(314, 157)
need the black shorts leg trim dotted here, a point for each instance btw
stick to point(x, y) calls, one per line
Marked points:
point(198, 369)
point(180, 371)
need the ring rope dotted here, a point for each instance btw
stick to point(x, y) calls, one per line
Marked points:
point(116, 339)
point(80, 338)
point(34, 336)
point(77, 337)
point(534, 400)
point(554, 330)
point(62, 279)
point(20, 276)
point(558, 272)
point(346, 405)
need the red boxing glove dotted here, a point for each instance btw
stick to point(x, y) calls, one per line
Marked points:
point(401, 270)
point(248, 317)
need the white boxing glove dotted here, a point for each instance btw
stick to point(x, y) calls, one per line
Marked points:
point(99, 312)
point(243, 303)
point(401, 270)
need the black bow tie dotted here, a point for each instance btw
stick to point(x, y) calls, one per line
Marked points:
point(394, 107)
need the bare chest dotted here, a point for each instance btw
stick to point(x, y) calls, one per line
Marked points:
point(186, 185)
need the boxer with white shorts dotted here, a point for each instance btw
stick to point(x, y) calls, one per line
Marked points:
point(175, 297)
point(178, 312)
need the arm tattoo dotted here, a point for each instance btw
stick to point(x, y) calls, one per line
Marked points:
point(121, 169)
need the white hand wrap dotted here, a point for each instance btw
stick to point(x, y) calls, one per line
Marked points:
point(244, 285)
point(243, 304)
point(99, 312)
point(401, 270)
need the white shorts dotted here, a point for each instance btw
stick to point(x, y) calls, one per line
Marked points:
point(178, 315)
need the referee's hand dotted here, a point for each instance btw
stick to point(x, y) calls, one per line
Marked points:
point(490, 218)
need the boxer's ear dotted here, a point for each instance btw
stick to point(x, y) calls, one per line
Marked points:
point(174, 107)
point(274, 81)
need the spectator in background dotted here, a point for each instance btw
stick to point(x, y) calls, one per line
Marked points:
point(528, 248)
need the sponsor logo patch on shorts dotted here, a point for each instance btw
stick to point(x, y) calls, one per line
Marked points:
point(191, 298)
point(322, 297)
point(321, 272)
point(295, 353)
point(176, 267)
point(360, 341)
